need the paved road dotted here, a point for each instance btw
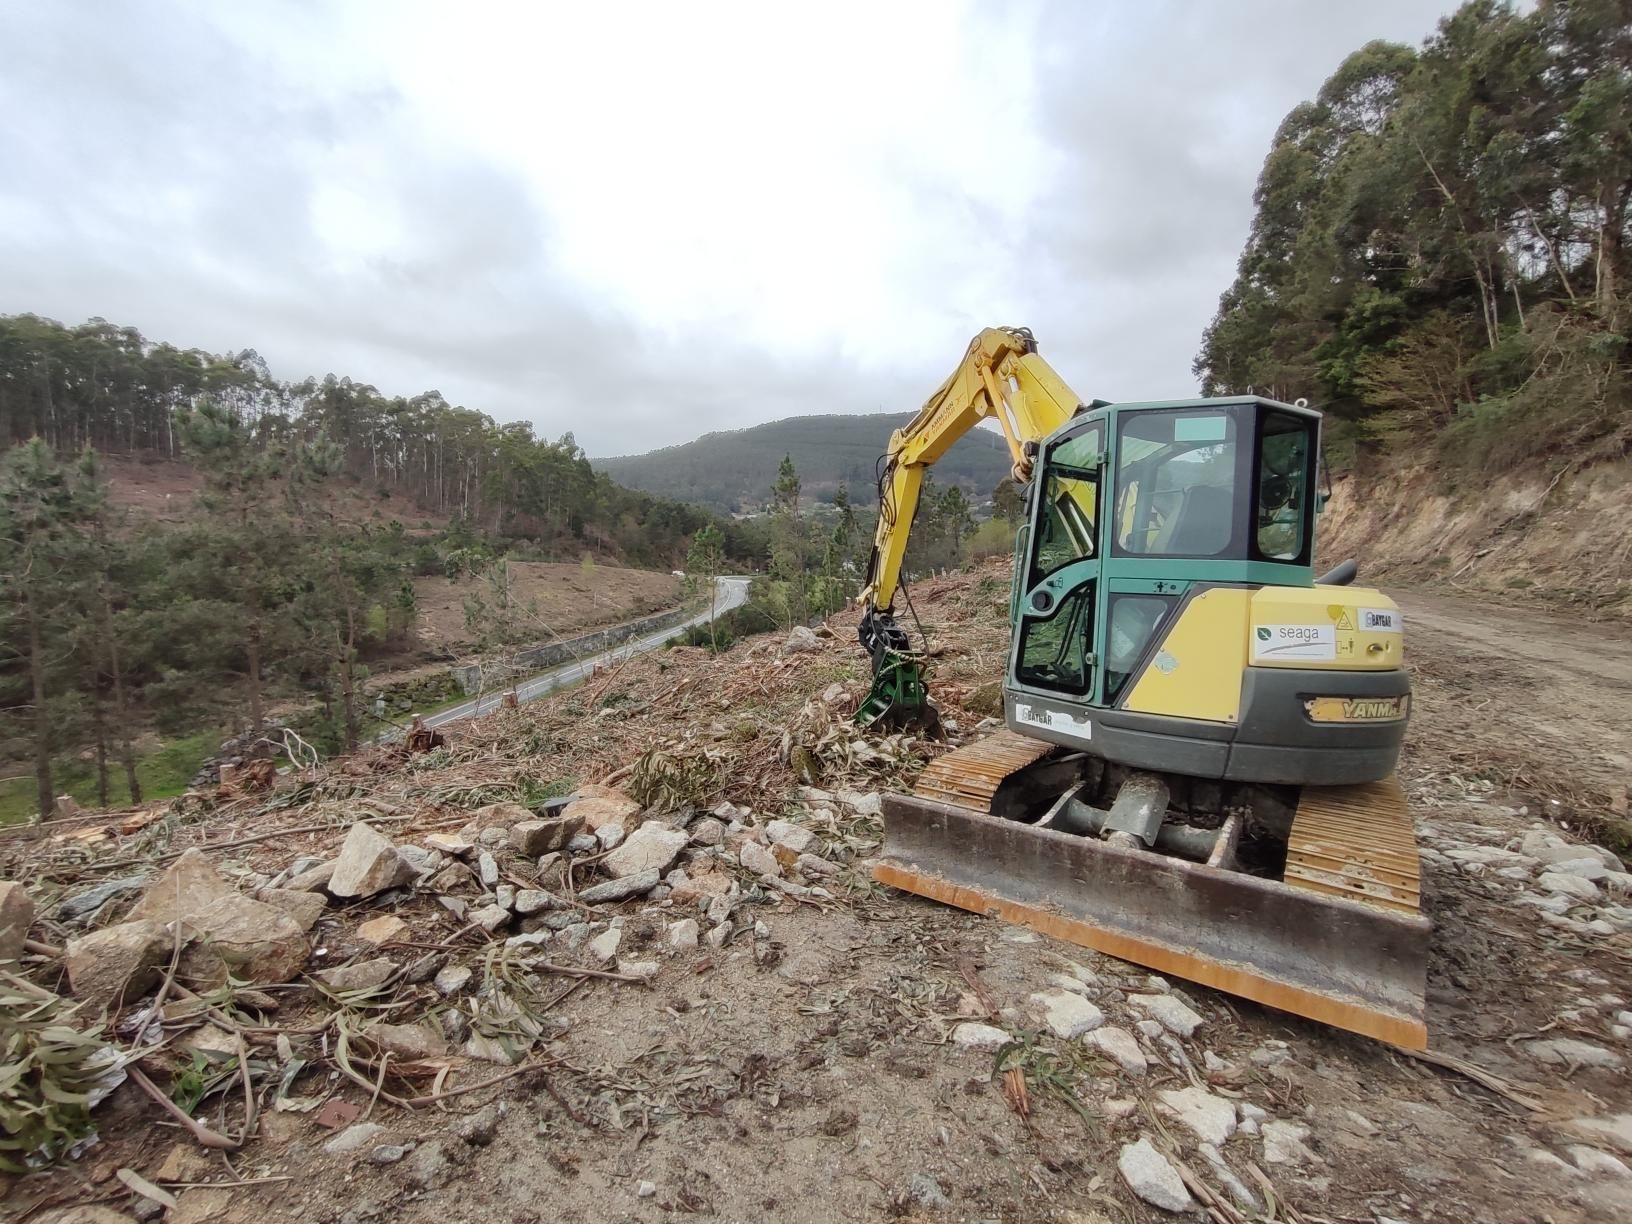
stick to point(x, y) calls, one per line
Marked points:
point(733, 593)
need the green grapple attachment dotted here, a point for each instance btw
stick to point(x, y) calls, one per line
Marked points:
point(899, 696)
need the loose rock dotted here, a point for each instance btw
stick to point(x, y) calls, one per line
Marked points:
point(368, 863)
point(975, 1036)
point(1284, 1143)
point(450, 844)
point(1591, 1160)
point(799, 640)
point(759, 859)
point(1211, 1117)
point(312, 878)
point(531, 901)
point(795, 837)
point(408, 1040)
point(16, 916)
point(495, 816)
point(118, 962)
point(481, 1127)
point(1237, 1189)
point(652, 847)
point(1149, 1175)
point(364, 975)
point(487, 869)
point(387, 928)
point(595, 811)
point(1068, 1015)
point(235, 934)
point(92, 899)
point(1612, 1129)
point(353, 1138)
point(1564, 1051)
point(619, 890)
point(682, 935)
point(1169, 1011)
point(536, 837)
point(490, 917)
point(1120, 1046)
point(925, 1191)
point(605, 945)
point(1568, 885)
point(304, 907)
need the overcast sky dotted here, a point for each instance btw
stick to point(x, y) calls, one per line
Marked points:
point(643, 221)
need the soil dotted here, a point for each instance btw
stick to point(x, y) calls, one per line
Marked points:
point(556, 599)
point(1548, 536)
point(163, 489)
point(806, 1073)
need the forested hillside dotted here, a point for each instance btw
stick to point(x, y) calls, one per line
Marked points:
point(733, 470)
point(108, 388)
point(1441, 256)
point(272, 584)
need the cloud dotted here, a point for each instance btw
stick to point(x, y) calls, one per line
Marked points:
point(641, 222)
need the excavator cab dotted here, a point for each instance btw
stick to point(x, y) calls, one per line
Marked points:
point(1166, 610)
point(1197, 769)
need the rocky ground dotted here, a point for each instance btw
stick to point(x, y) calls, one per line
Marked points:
point(451, 997)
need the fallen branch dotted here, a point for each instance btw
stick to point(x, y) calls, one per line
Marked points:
point(433, 1098)
point(230, 845)
point(1485, 1079)
point(577, 971)
point(205, 1136)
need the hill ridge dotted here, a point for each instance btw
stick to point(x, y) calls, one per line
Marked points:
point(733, 469)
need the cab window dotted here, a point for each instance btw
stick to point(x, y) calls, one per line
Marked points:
point(1070, 489)
point(1282, 503)
point(1175, 483)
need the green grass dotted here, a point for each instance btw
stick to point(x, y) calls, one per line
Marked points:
point(163, 773)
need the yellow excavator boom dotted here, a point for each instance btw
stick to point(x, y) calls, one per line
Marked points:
point(1001, 378)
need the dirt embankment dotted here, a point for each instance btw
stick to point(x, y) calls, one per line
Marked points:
point(549, 600)
point(1562, 542)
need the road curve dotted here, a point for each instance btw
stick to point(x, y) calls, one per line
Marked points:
point(733, 593)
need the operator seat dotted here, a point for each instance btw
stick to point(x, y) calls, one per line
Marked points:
point(1201, 528)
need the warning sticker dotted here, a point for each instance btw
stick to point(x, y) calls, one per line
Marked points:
point(1054, 720)
point(1382, 620)
point(1343, 622)
point(1308, 642)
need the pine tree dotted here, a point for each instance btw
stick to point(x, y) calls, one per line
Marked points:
point(44, 512)
point(703, 562)
point(244, 547)
point(787, 561)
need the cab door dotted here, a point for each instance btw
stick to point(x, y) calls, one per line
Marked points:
point(1057, 577)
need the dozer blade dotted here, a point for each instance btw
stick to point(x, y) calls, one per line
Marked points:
point(1359, 965)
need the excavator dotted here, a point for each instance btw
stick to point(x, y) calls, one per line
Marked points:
point(1197, 768)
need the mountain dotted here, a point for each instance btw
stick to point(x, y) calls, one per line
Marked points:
point(734, 470)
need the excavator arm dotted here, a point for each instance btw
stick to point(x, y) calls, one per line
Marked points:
point(1001, 377)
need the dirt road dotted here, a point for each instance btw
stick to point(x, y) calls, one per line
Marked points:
point(1538, 702)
